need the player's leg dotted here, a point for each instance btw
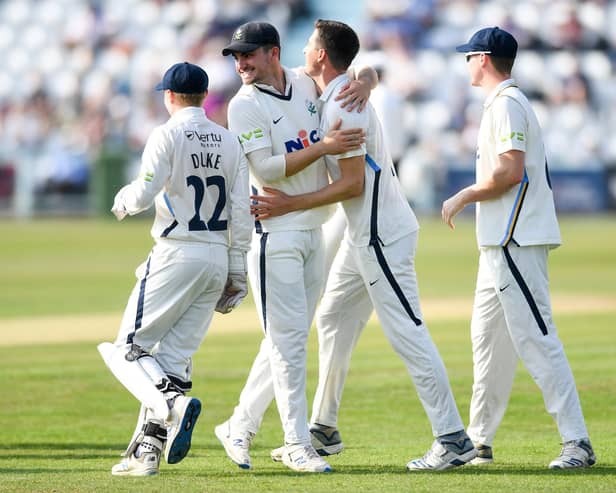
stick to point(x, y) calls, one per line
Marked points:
point(494, 362)
point(389, 274)
point(164, 291)
point(341, 317)
point(175, 351)
point(292, 274)
point(529, 315)
point(237, 432)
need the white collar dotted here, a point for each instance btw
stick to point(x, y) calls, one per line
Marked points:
point(187, 113)
point(329, 89)
point(272, 89)
point(497, 90)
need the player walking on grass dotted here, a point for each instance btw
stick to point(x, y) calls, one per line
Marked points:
point(275, 115)
point(516, 228)
point(195, 173)
point(374, 266)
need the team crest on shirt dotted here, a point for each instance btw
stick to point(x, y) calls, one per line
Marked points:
point(312, 108)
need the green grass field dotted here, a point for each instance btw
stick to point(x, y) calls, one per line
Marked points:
point(65, 419)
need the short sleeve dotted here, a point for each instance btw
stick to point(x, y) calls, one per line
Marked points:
point(349, 120)
point(510, 125)
point(248, 123)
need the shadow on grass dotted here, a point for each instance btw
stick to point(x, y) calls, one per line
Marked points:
point(61, 446)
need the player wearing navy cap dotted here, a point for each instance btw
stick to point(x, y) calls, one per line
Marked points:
point(516, 228)
point(196, 175)
point(275, 114)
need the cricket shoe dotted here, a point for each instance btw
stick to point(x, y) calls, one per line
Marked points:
point(304, 458)
point(183, 417)
point(447, 451)
point(484, 455)
point(236, 444)
point(325, 440)
point(145, 465)
point(575, 453)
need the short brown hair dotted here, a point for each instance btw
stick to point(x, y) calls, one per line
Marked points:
point(339, 41)
point(191, 99)
point(502, 65)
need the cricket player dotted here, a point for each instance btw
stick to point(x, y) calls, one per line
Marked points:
point(516, 228)
point(276, 117)
point(196, 175)
point(374, 266)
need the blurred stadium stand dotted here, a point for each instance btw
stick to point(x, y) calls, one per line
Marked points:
point(76, 98)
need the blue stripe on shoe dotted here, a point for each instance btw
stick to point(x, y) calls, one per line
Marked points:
point(180, 445)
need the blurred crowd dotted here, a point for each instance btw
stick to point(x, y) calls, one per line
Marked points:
point(564, 65)
point(78, 78)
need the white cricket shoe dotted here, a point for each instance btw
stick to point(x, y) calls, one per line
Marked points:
point(183, 417)
point(325, 439)
point(575, 453)
point(276, 454)
point(144, 465)
point(445, 453)
point(304, 458)
point(484, 455)
point(236, 444)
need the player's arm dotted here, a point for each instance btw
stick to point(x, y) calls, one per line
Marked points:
point(508, 173)
point(355, 94)
point(349, 185)
point(236, 287)
point(336, 141)
point(154, 172)
point(240, 220)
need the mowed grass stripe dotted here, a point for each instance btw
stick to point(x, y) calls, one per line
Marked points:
point(104, 326)
point(67, 419)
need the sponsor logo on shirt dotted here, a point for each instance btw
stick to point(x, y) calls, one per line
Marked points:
point(255, 134)
point(304, 139)
point(211, 137)
point(312, 108)
point(513, 136)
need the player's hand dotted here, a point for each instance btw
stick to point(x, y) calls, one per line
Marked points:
point(338, 141)
point(450, 209)
point(276, 203)
point(354, 95)
point(118, 209)
point(235, 291)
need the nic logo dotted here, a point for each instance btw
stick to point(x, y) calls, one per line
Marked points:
point(303, 140)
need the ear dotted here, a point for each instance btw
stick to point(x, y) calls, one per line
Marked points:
point(322, 55)
point(275, 51)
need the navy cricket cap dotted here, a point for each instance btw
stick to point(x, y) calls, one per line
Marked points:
point(184, 78)
point(493, 41)
point(250, 36)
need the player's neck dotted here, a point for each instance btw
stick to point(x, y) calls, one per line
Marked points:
point(277, 80)
point(493, 79)
point(328, 74)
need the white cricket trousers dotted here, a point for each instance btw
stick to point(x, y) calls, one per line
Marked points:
point(361, 279)
point(287, 275)
point(173, 301)
point(512, 318)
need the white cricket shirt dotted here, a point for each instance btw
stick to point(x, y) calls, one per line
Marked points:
point(382, 208)
point(197, 176)
point(261, 117)
point(525, 214)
